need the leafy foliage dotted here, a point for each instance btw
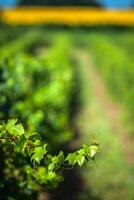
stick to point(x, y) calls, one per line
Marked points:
point(37, 91)
point(31, 147)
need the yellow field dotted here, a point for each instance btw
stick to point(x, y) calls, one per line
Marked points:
point(67, 15)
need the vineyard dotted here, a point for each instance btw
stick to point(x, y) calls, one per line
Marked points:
point(66, 113)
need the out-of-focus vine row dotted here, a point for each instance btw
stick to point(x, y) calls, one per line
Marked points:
point(36, 89)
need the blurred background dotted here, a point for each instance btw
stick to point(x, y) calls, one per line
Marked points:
point(101, 38)
point(105, 3)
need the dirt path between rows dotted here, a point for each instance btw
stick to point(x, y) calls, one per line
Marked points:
point(112, 109)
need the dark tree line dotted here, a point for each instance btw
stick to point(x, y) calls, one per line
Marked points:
point(60, 2)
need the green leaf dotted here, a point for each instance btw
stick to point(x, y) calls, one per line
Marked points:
point(51, 166)
point(81, 160)
point(34, 136)
point(37, 143)
point(71, 158)
point(13, 129)
point(81, 152)
point(39, 153)
point(56, 162)
point(93, 150)
point(19, 129)
point(21, 144)
point(61, 157)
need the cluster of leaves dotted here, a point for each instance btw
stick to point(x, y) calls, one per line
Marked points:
point(37, 167)
point(37, 92)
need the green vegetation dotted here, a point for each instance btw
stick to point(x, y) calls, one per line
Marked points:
point(113, 57)
point(5, 33)
point(107, 79)
point(112, 178)
point(51, 85)
point(36, 90)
